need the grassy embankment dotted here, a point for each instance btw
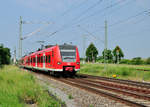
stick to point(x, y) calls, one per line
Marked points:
point(122, 71)
point(17, 88)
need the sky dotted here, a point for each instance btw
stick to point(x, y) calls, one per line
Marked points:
point(79, 22)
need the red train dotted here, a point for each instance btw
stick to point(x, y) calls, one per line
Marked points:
point(54, 59)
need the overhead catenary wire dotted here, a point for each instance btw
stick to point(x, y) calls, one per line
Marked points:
point(129, 18)
point(34, 32)
point(70, 9)
point(43, 22)
point(91, 7)
point(101, 10)
point(64, 26)
point(90, 34)
point(107, 7)
point(116, 37)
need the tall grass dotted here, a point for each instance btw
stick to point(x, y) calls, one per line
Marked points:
point(17, 88)
point(122, 71)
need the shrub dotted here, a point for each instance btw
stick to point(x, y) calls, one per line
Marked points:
point(125, 61)
point(137, 61)
point(148, 61)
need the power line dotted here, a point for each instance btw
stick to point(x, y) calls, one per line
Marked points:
point(129, 18)
point(101, 10)
point(90, 34)
point(70, 9)
point(118, 8)
point(66, 25)
point(34, 32)
point(110, 6)
point(93, 6)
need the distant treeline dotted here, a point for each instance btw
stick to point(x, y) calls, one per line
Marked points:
point(4, 55)
point(136, 61)
point(133, 61)
point(112, 56)
point(109, 56)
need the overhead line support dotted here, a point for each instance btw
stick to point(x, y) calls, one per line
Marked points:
point(106, 43)
point(20, 37)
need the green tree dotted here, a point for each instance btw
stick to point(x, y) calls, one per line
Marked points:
point(91, 53)
point(4, 55)
point(118, 54)
point(148, 61)
point(137, 61)
point(108, 55)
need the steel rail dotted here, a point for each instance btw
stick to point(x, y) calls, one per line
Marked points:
point(132, 94)
point(121, 86)
point(105, 94)
point(128, 82)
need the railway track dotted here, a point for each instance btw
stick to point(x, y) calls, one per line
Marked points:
point(131, 95)
point(121, 81)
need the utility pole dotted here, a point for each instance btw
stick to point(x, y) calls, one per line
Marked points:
point(20, 38)
point(14, 59)
point(105, 50)
point(84, 49)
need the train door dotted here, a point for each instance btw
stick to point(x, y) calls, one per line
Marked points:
point(47, 60)
point(52, 58)
point(35, 60)
point(38, 60)
point(43, 60)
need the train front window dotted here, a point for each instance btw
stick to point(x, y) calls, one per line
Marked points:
point(68, 55)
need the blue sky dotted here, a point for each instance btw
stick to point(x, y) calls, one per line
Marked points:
point(130, 32)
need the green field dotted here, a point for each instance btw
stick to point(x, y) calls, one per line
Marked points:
point(129, 72)
point(18, 88)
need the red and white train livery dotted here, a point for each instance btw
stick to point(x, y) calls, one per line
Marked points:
point(59, 58)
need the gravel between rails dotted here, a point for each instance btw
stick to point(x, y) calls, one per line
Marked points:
point(80, 97)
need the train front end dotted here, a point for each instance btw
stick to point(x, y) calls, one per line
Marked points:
point(70, 59)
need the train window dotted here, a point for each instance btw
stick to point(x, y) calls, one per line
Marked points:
point(49, 57)
point(46, 59)
point(52, 53)
point(41, 59)
point(34, 59)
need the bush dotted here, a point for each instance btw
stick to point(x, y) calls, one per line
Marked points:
point(4, 55)
point(125, 61)
point(148, 61)
point(137, 61)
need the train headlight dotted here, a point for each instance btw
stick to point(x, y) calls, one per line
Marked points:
point(58, 63)
point(78, 63)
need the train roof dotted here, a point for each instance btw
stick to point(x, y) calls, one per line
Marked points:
point(48, 47)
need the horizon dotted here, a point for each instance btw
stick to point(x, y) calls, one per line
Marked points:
point(128, 24)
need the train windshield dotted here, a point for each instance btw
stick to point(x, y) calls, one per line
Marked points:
point(68, 53)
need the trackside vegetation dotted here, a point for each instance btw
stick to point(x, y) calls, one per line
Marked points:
point(19, 88)
point(130, 72)
point(4, 55)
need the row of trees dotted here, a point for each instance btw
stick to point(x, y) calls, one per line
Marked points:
point(110, 56)
point(4, 55)
point(136, 61)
